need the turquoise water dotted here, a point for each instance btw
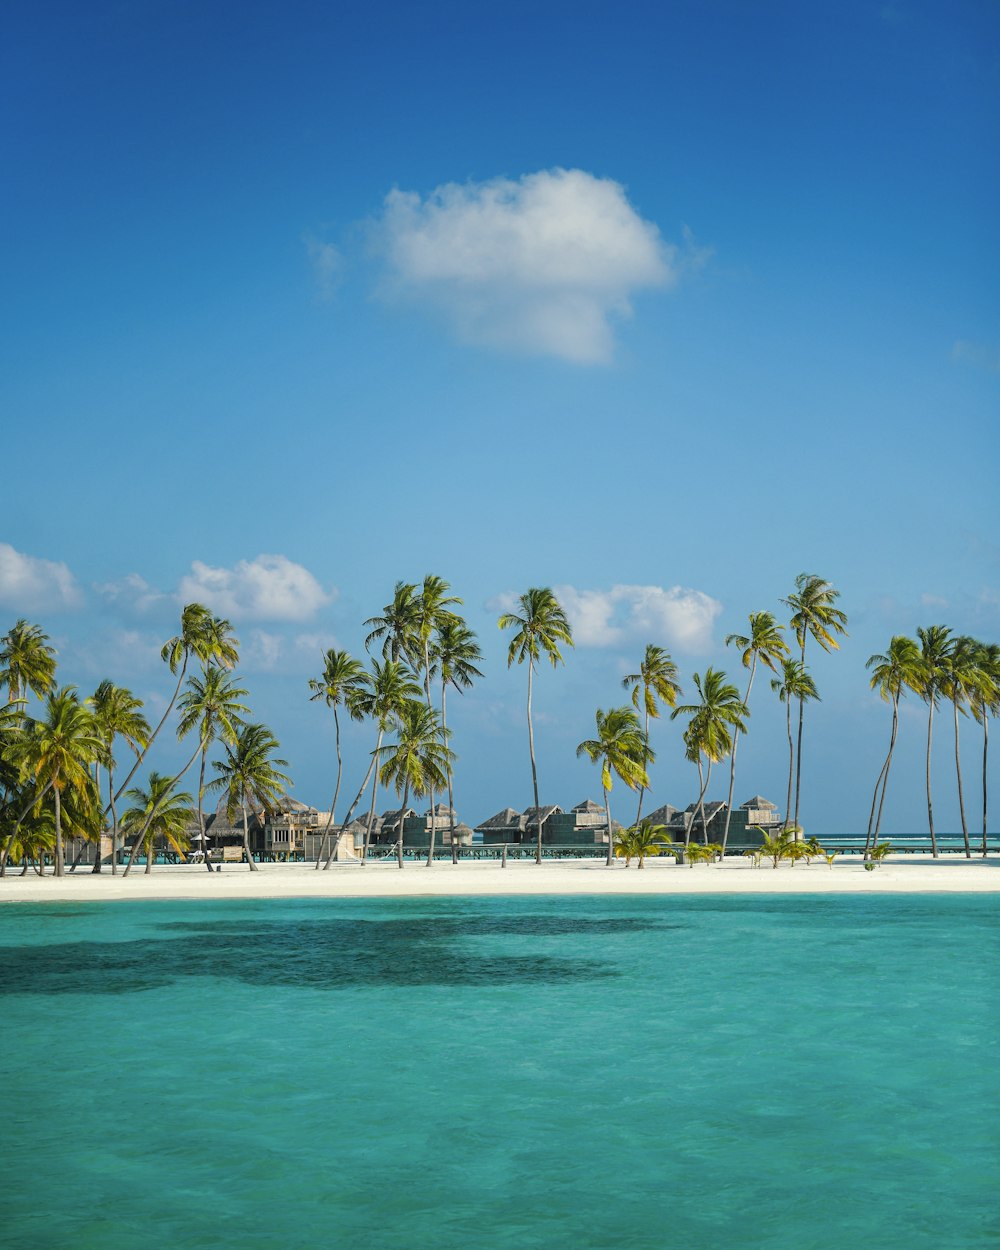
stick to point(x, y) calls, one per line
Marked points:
point(809, 1073)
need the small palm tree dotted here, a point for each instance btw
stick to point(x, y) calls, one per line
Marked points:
point(649, 839)
point(250, 773)
point(878, 854)
point(417, 759)
point(700, 853)
point(709, 732)
point(622, 748)
point(899, 669)
point(343, 679)
point(159, 812)
point(539, 628)
point(813, 615)
point(775, 846)
point(211, 705)
point(794, 683)
point(117, 714)
point(27, 662)
point(656, 680)
point(764, 643)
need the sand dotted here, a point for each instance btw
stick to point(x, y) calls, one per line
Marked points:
point(904, 874)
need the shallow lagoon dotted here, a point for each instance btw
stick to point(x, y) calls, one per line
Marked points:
point(800, 1072)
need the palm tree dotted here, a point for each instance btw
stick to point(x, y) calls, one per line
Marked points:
point(159, 812)
point(211, 705)
point(775, 846)
point(621, 747)
point(813, 613)
point(117, 714)
point(203, 636)
point(391, 687)
point(343, 677)
point(764, 642)
point(27, 662)
point(539, 629)
point(720, 711)
point(987, 704)
point(892, 673)
point(794, 683)
point(655, 680)
point(456, 653)
point(642, 840)
point(935, 644)
point(57, 752)
point(250, 772)
point(962, 684)
point(397, 627)
point(417, 760)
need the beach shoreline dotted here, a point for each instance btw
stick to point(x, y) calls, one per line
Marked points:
point(903, 874)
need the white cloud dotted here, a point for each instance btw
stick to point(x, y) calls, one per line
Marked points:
point(133, 593)
point(267, 588)
point(933, 601)
point(676, 615)
point(539, 265)
point(326, 264)
point(29, 584)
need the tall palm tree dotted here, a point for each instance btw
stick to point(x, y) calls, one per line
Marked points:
point(813, 614)
point(397, 627)
point(343, 677)
point(204, 637)
point(417, 759)
point(720, 712)
point(27, 662)
point(655, 680)
point(898, 670)
point(622, 747)
point(985, 705)
point(539, 628)
point(795, 683)
point(764, 642)
point(159, 812)
point(57, 753)
point(250, 773)
point(962, 680)
point(456, 653)
point(935, 645)
point(390, 688)
point(211, 705)
point(117, 714)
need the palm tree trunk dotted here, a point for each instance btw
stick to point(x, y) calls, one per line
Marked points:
point(430, 708)
point(336, 793)
point(701, 799)
point(17, 825)
point(986, 747)
point(58, 869)
point(732, 761)
point(645, 764)
point(883, 776)
point(156, 807)
point(246, 838)
point(97, 791)
point(371, 812)
point(534, 771)
point(150, 852)
point(201, 807)
point(888, 766)
point(399, 843)
point(791, 761)
point(451, 796)
point(114, 823)
point(930, 808)
point(141, 755)
point(798, 752)
point(611, 836)
point(961, 797)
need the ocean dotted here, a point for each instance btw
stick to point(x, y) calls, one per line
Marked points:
point(778, 1073)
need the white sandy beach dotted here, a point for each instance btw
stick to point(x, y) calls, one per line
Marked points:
point(903, 874)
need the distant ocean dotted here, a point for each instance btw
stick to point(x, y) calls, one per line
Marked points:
point(768, 1073)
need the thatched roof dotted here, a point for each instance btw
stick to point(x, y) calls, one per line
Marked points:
point(532, 815)
point(589, 807)
point(505, 819)
point(759, 801)
point(662, 816)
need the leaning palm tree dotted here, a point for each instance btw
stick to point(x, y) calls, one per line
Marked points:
point(204, 637)
point(764, 642)
point(985, 705)
point(539, 628)
point(709, 733)
point(249, 774)
point(27, 662)
point(159, 812)
point(813, 614)
point(211, 706)
point(343, 677)
point(935, 646)
point(57, 752)
point(456, 654)
point(417, 759)
point(117, 714)
point(621, 748)
point(655, 680)
point(898, 670)
point(795, 683)
point(962, 682)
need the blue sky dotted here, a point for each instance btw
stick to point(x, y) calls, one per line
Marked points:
point(676, 299)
